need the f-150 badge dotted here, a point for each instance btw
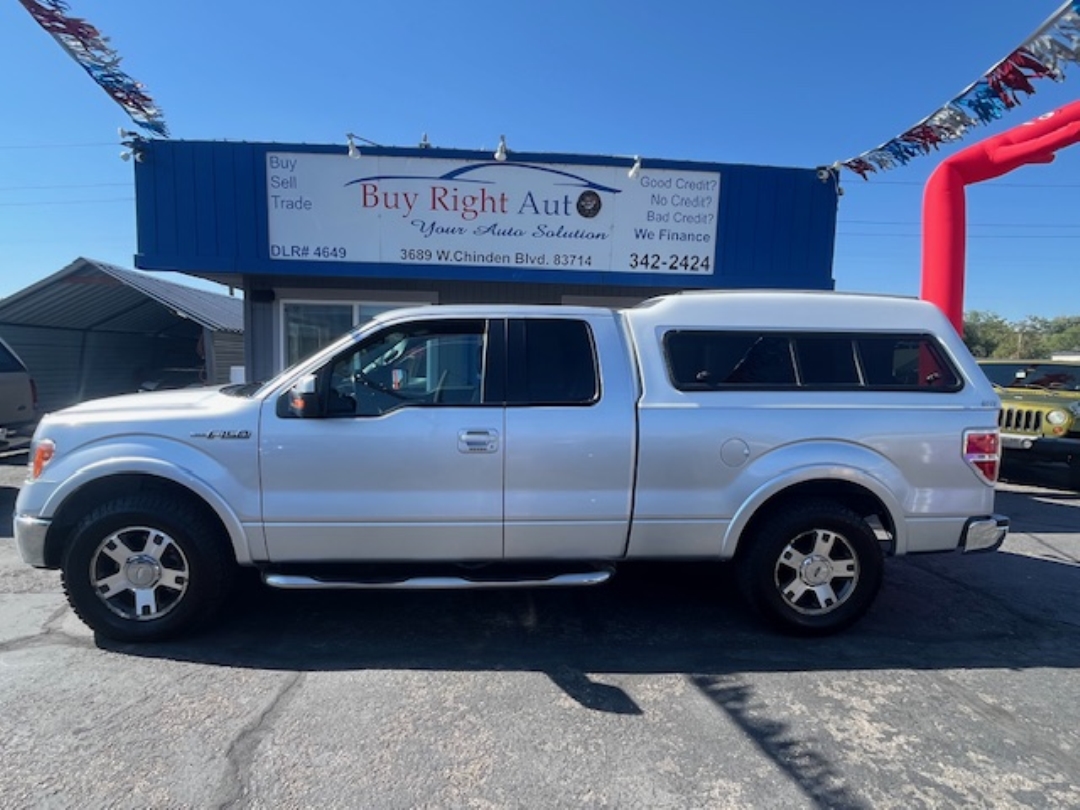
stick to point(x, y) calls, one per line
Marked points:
point(223, 434)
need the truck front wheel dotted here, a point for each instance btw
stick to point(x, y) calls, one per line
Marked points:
point(812, 569)
point(144, 567)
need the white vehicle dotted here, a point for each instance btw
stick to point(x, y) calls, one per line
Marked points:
point(805, 436)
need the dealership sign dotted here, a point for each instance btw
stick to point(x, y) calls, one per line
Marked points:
point(431, 211)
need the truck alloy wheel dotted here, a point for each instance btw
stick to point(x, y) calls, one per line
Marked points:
point(139, 573)
point(815, 568)
point(816, 572)
point(146, 566)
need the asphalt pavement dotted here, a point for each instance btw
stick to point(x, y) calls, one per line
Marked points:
point(659, 690)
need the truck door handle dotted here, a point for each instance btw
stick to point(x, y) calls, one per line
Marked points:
point(478, 440)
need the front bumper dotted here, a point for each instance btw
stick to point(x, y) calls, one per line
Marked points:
point(1042, 446)
point(30, 533)
point(984, 534)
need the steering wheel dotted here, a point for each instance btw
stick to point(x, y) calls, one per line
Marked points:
point(393, 353)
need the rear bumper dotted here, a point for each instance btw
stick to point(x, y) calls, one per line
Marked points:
point(984, 533)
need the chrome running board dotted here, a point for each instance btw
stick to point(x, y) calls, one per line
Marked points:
point(437, 583)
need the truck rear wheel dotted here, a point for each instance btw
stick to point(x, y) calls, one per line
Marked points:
point(813, 569)
point(145, 567)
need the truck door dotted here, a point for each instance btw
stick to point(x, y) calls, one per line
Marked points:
point(395, 451)
point(570, 439)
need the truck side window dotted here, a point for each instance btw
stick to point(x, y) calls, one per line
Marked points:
point(703, 360)
point(826, 361)
point(422, 364)
point(767, 361)
point(905, 361)
point(552, 361)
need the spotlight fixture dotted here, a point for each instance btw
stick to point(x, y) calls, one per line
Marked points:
point(132, 143)
point(635, 170)
point(500, 153)
point(831, 174)
point(352, 138)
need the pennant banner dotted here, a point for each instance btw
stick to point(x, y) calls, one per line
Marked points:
point(91, 50)
point(1055, 46)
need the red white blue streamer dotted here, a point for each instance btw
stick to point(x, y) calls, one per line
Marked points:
point(1046, 55)
point(85, 44)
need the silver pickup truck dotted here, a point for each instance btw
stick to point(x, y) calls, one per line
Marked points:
point(803, 436)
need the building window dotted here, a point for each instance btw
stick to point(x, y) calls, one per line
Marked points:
point(307, 326)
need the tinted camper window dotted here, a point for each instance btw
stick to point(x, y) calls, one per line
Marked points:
point(701, 360)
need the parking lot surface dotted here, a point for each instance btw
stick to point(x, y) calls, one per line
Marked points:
point(660, 690)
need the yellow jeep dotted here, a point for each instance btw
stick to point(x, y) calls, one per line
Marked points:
point(1040, 410)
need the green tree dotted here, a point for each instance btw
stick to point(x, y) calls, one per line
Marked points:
point(986, 333)
point(1064, 334)
point(1030, 339)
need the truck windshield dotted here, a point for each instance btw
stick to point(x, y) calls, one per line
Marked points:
point(1056, 377)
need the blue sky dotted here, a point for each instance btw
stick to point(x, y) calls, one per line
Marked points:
point(785, 83)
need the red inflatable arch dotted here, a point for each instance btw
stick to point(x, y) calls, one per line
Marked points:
point(944, 222)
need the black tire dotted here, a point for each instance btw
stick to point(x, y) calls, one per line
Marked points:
point(145, 567)
point(813, 569)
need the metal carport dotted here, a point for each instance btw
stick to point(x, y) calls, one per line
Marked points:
point(93, 329)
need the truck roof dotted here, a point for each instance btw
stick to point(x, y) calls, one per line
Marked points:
point(809, 309)
point(790, 309)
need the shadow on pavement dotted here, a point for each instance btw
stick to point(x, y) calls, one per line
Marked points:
point(7, 510)
point(1047, 511)
point(12, 470)
point(1038, 473)
point(997, 610)
point(13, 457)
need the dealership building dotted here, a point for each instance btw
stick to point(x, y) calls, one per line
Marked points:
point(322, 237)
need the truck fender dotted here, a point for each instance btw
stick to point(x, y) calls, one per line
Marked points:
point(846, 472)
point(157, 467)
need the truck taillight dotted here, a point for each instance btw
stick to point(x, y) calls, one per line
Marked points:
point(982, 452)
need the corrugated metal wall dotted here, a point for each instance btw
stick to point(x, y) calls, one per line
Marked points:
point(70, 366)
point(54, 358)
point(227, 351)
point(120, 363)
